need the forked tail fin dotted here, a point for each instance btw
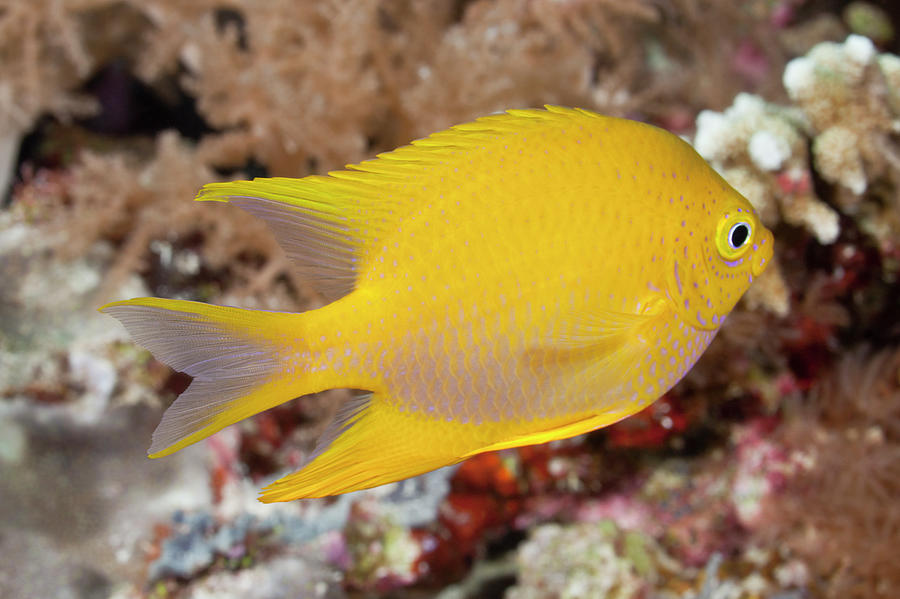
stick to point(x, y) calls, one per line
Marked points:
point(238, 359)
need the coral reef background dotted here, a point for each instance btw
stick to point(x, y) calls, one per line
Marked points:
point(772, 470)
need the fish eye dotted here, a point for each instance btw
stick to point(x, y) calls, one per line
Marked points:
point(734, 234)
point(738, 235)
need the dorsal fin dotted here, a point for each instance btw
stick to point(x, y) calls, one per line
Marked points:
point(328, 224)
point(321, 223)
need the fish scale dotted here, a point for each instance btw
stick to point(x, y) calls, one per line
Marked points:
point(525, 277)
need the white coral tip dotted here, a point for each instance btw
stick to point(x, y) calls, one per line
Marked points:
point(826, 226)
point(856, 182)
point(712, 133)
point(859, 49)
point(768, 151)
point(799, 77)
point(747, 105)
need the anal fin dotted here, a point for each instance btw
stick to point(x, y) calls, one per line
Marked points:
point(369, 444)
point(578, 426)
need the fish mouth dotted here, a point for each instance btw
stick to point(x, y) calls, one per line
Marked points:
point(762, 252)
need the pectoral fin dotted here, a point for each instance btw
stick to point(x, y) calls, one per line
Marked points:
point(596, 357)
point(599, 339)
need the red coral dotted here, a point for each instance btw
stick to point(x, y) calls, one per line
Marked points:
point(652, 427)
point(486, 472)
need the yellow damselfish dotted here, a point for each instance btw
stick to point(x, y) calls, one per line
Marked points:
point(525, 277)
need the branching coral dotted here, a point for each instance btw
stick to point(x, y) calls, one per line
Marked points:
point(847, 108)
point(43, 58)
point(311, 86)
point(850, 95)
point(123, 199)
point(760, 148)
point(294, 81)
point(321, 84)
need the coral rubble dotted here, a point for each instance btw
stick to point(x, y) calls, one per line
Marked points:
point(587, 560)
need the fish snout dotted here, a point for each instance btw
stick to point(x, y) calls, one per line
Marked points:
point(762, 252)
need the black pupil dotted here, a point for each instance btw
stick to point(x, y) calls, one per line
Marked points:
point(739, 235)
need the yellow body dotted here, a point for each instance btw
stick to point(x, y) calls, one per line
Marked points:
point(526, 277)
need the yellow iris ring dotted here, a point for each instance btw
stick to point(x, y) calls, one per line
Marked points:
point(724, 230)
